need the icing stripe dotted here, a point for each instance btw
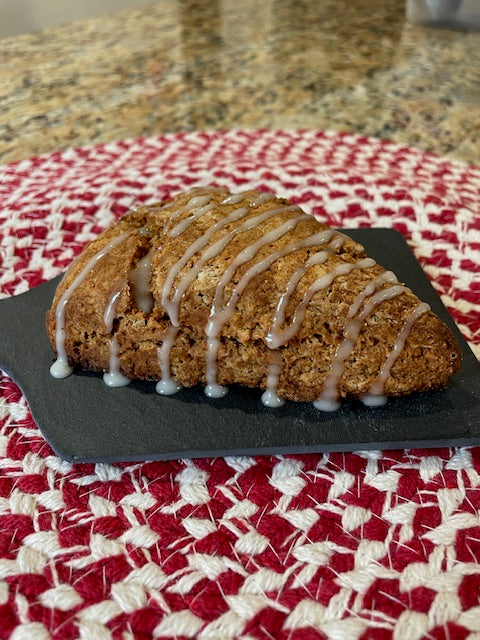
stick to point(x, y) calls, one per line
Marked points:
point(171, 305)
point(215, 324)
point(60, 368)
point(345, 348)
point(140, 281)
point(269, 396)
point(378, 386)
point(224, 314)
point(276, 338)
point(111, 308)
point(167, 386)
point(113, 377)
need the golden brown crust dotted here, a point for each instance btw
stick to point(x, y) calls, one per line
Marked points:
point(428, 360)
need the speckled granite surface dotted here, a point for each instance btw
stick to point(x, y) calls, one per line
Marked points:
point(184, 65)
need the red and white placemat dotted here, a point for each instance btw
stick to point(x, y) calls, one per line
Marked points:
point(361, 545)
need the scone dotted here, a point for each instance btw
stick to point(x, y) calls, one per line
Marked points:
point(215, 288)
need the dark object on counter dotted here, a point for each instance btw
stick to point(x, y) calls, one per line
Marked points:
point(446, 14)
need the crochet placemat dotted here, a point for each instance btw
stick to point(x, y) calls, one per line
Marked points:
point(365, 545)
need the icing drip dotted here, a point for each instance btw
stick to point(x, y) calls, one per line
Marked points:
point(140, 280)
point(140, 277)
point(269, 396)
point(275, 338)
point(113, 378)
point(171, 305)
point(213, 389)
point(60, 368)
point(167, 386)
point(377, 388)
point(215, 321)
point(323, 404)
point(329, 394)
point(373, 400)
point(111, 308)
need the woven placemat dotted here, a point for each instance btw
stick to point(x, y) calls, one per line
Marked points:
point(357, 546)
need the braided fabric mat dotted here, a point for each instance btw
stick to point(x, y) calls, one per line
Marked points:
point(365, 545)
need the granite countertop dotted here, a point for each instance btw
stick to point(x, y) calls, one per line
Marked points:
point(187, 65)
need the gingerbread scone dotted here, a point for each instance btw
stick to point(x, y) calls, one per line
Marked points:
point(215, 288)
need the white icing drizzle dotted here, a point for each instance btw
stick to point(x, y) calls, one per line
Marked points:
point(224, 314)
point(377, 388)
point(233, 198)
point(215, 321)
point(373, 400)
point(197, 201)
point(113, 377)
point(262, 197)
point(167, 386)
point(140, 280)
point(213, 389)
point(140, 277)
point(171, 305)
point(331, 403)
point(336, 240)
point(236, 198)
point(111, 308)
point(269, 396)
point(167, 205)
point(60, 368)
point(275, 338)
point(184, 224)
point(352, 330)
point(387, 277)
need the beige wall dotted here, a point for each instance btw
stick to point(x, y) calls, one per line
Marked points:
point(23, 16)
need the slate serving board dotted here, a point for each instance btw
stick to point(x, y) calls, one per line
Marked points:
point(86, 421)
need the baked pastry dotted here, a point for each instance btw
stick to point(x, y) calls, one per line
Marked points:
point(215, 288)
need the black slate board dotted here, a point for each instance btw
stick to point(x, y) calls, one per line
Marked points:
point(86, 421)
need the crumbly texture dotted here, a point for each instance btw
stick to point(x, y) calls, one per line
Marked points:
point(428, 360)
